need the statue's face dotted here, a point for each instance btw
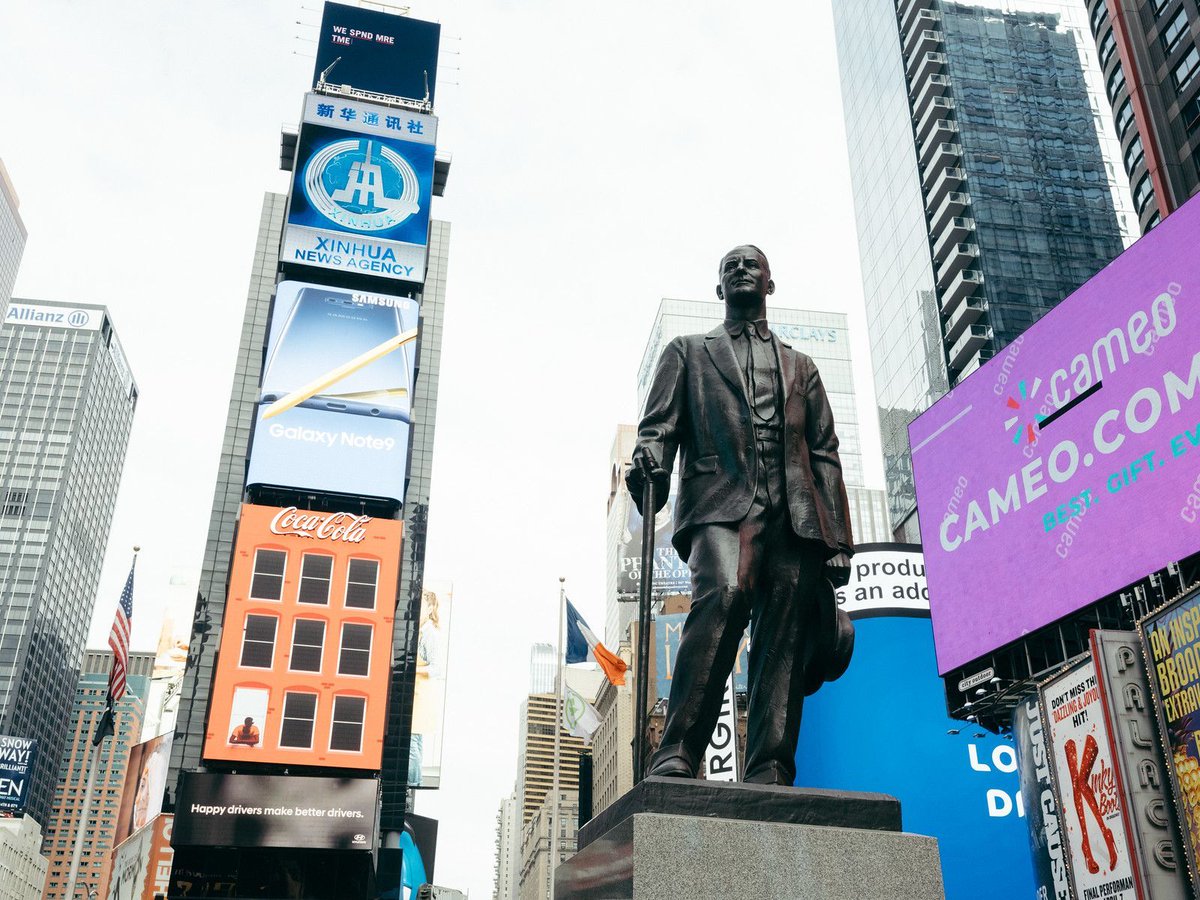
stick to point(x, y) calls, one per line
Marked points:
point(745, 278)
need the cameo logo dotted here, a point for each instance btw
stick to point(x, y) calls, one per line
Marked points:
point(1024, 423)
point(361, 185)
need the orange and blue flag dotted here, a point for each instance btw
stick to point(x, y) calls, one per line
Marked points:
point(583, 644)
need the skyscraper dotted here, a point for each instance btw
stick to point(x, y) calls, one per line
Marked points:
point(1150, 52)
point(67, 400)
point(508, 849)
point(91, 695)
point(12, 238)
point(982, 192)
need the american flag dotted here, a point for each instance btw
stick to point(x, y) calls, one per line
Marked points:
point(118, 639)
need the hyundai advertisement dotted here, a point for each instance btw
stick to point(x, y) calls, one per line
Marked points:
point(361, 188)
point(335, 404)
point(377, 51)
point(1037, 475)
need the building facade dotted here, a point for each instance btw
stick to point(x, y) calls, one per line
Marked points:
point(22, 864)
point(91, 696)
point(540, 715)
point(67, 400)
point(1150, 54)
point(982, 188)
point(543, 664)
point(612, 761)
point(508, 849)
point(550, 831)
point(12, 238)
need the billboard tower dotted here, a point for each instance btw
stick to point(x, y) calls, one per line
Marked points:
point(305, 628)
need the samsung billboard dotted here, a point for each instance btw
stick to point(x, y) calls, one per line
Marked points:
point(336, 398)
point(376, 51)
point(1066, 467)
point(361, 188)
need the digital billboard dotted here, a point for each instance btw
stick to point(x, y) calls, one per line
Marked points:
point(141, 866)
point(671, 574)
point(1052, 881)
point(377, 51)
point(335, 405)
point(1171, 645)
point(429, 689)
point(17, 758)
point(1088, 791)
point(954, 781)
point(302, 671)
point(145, 782)
point(1065, 468)
point(361, 188)
point(292, 811)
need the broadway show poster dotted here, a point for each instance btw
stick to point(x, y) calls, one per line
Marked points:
point(1171, 642)
point(1042, 814)
point(1088, 793)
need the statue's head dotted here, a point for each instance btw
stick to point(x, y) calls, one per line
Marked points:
point(745, 278)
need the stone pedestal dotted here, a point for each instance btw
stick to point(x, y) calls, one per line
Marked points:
point(672, 839)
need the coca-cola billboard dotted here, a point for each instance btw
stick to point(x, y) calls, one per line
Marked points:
point(302, 673)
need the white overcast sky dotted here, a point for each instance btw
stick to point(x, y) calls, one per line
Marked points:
point(605, 156)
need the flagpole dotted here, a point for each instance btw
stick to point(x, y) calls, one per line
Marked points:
point(106, 727)
point(558, 702)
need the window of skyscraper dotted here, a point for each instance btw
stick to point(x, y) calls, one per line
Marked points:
point(299, 716)
point(1158, 6)
point(308, 643)
point(362, 576)
point(1107, 47)
point(1124, 117)
point(1116, 81)
point(316, 571)
point(1134, 155)
point(1099, 17)
point(1190, 115)
point(355, 656)
point(1143, 193)
point(348, 714)
point(267, 583)
point(258, 642)
point(1185, 71)
point(1174, 31)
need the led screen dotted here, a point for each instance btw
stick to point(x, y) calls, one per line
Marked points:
point(336, 397)
point(377, 51)
point(1067, 467)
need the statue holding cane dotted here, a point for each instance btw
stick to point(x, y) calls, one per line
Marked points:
point(761, 519)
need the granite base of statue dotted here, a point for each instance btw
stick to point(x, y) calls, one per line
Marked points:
point(683, 839)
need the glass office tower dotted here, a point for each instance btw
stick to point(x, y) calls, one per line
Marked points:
point(983, 195)
point(66, 406)
point(12, 238)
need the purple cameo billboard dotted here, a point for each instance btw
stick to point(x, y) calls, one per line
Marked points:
point(1067, 467)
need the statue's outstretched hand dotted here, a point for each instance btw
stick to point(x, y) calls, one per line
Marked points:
point(837, 570)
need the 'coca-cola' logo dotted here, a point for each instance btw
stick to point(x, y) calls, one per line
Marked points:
point(327, 526)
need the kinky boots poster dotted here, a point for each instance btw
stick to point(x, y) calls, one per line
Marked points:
point(1088, 792)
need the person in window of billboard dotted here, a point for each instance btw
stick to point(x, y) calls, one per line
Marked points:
point(761, 519)
point(245, 734)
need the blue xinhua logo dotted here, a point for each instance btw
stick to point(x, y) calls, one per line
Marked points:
point(362, 185)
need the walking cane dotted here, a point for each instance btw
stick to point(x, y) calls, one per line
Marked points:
point(645, 462)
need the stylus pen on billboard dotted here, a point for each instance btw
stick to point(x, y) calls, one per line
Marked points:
point(333, 376)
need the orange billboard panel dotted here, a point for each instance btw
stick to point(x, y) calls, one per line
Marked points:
point(302, 672)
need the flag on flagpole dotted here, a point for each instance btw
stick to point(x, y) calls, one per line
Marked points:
point(579, 717)
point(582, 643)
point(118, 640)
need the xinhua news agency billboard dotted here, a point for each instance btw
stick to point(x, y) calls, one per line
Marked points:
point(377, 51)
point(336, 399)
point(361, 188)
point(1067, 467)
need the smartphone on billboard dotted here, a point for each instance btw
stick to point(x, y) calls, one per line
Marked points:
point(327, 328)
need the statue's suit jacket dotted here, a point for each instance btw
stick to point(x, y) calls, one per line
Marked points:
point(698, 407)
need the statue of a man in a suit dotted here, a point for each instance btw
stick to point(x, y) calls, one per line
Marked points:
point(760, 512)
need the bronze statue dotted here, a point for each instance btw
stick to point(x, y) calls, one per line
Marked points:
point(761, 510)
